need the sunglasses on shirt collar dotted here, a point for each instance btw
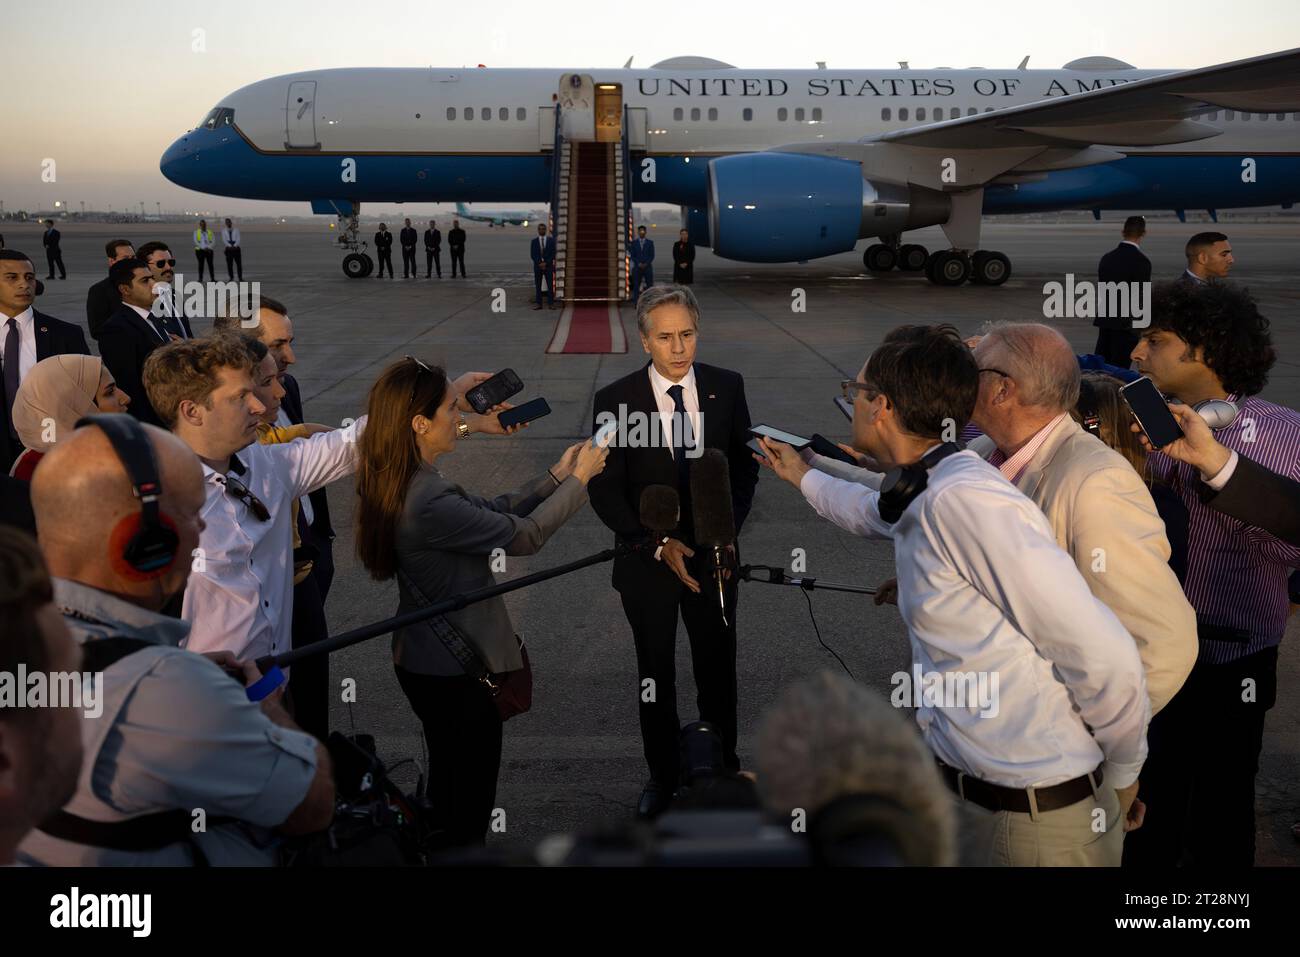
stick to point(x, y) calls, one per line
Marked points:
point(241, 491)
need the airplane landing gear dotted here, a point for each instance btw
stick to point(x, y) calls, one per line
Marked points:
point(356, 264)
point(912, 258)
point(989, 268)
point(879, 258)
point(948, 267)
point(885, 256)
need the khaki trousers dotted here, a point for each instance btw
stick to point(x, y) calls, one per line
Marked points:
point(1088, 833)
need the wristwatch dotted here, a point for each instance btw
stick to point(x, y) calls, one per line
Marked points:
point(660, 549)
point(462, 428)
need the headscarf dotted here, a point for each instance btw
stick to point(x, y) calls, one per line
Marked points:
point(53, 396)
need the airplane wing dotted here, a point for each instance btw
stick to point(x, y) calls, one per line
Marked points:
point(1148, 112)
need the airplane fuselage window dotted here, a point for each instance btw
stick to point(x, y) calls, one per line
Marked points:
point(487, 112)
point(920, 112)
point(954, 113)
point(782, 114)
point(521, 114)
point(468, 113)
point(713, 113)
point(503, 114)
point(886, 114)
point(1229, 115)
point(971, 111)
point(677, 113)
point(695, 113)
point(817, 114)
point(451, 112)
point(747, 115)
point(902, 113)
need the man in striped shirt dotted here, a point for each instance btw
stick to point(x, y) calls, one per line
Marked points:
point(1210, 342)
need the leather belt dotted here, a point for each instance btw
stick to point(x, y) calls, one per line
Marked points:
point(995, 797)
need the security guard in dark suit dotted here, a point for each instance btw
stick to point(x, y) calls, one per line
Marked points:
point(456, 240)
point(1125, 263)
point(409, 237)
point(384, 247)
point(432, 250)
point(53, 254)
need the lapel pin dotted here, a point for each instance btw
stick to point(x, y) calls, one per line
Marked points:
point(712, 396)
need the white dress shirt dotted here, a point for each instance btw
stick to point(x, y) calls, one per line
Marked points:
point(984, 588)
point(148, 317)
point(203, 239)
point(26, 340)
point(690, 398)
point(240, 596)
point(230, 236)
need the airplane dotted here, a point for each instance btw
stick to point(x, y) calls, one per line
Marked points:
point(509, 217)
point(776, 165)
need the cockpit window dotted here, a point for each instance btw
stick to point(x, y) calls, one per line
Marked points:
point(221, 116)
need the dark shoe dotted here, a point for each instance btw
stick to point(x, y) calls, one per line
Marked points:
point(537, 307)
point(655, 798)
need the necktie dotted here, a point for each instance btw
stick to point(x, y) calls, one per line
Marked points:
point(687, 440)
point(13, 348)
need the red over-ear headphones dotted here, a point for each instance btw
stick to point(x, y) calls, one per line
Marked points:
point(147, 542)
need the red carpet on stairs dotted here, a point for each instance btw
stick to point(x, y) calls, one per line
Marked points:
point(589, 329)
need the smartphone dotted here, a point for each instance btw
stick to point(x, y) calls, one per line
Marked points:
point(824, 446)
point(1151, 411)
point(845, 406)
point(494, 391)
point(527, 412)
point(757, 449)
point(789, 438)
point(603, 433)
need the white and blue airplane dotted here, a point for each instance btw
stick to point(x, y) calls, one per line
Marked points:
point(778, 165)
point(507, 217)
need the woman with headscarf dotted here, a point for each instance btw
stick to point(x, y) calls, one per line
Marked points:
point(53, 396)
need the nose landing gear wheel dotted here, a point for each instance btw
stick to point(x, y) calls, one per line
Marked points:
point(948, 268)
point(370, 265)
point(912, 258)
point(354, 266)
point(990, 268)
point(879, 258)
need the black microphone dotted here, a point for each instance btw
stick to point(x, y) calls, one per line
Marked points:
point(715, 522)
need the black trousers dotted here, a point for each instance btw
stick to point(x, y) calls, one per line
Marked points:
point(385, 259)
point(1198, 783)
point(463, 730)
point(206, 256)
point(1116, 346)
point(54, 257)
point(432, 258)
point(548, 277)
point(309, 679)
point(458, 256)
point(713, 658)
point(409, 268)
point(234, 261)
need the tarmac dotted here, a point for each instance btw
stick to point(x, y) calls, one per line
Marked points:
point(574, 762)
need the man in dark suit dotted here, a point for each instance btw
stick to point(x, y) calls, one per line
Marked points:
point(670, 577)
point(309, 680)
point(456, 242)
point(684, 259)
point(384, 249)
point(542, 251)
point(134, 330)
point(102, 299)
point(26, 337)
point(409, 237)
point(432, 250)
point(1209, 257)
point(1125, 263)
point(169, 302)
point(53, 254)
point(643, 262)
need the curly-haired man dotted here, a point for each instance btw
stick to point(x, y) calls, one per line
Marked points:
point(1210, 342)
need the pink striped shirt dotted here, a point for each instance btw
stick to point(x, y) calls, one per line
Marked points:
point(1012, 467)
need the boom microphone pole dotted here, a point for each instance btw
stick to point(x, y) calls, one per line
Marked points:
point(714, 520)
point(777, 576)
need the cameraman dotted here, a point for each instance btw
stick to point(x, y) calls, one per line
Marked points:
point(176, 735)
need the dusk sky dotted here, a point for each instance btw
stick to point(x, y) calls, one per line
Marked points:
point(103, 90)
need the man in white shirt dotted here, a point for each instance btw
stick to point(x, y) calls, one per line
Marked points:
point(234, 252)
point(1045, 771)
point(240, 595)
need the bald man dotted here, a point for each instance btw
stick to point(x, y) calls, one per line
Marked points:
point(176, 735)
point(1100, 509)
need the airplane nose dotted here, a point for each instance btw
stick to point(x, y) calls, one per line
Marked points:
point(173, 160)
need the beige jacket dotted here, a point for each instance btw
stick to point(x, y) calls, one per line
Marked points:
point(1102, 514)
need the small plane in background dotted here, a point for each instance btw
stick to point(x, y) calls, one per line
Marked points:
point(509, 217)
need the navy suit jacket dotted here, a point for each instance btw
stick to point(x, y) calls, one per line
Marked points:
point(322, 532)
point(615, 493)
point(640, 256)
point(54, 337)
point(1124, 263)
point(538, 254)
point(125, 341)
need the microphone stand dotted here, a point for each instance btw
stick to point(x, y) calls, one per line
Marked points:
point(777, 576)
point(454, 603)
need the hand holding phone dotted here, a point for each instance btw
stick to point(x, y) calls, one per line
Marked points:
point(494, 391)
point(1151, 411)
point(527, 412)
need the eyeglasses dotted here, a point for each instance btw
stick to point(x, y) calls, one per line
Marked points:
point(163, 262)
point(241, 491)
point(847, 387)
point(422, 365)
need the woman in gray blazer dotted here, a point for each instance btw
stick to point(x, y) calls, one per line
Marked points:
point(417, 525)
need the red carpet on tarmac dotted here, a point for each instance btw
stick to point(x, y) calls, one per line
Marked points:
point(588, 330)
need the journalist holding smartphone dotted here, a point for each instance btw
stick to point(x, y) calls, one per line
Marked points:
point(417, 525)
